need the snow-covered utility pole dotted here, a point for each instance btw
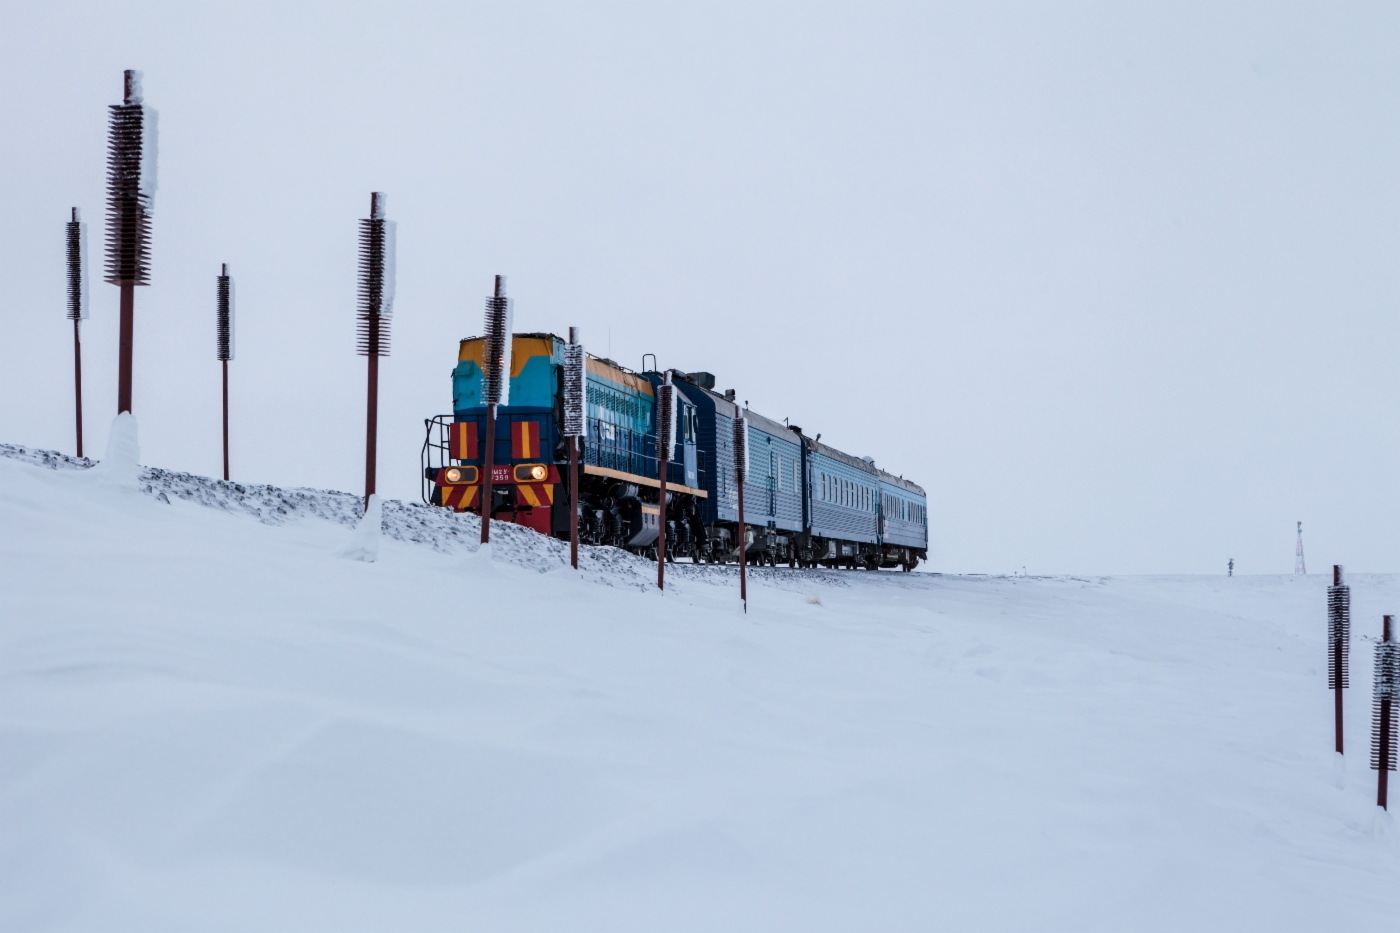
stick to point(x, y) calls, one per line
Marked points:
point(665, 439)
point(1385, 703)
point(1298, 565)
point(376, 309)
point(131, 188)
point(77, 308)
point(495, 388)
point(575, 420)
point(1338, 644)
point(741, 476)
point(223, 335)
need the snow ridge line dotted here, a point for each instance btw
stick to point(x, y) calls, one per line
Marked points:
point(414, 523)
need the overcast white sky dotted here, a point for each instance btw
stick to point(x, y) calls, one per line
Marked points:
point(1117, 283)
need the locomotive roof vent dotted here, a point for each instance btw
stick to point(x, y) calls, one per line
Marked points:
point(703, 380)
point(869, 460)
point(729, 394)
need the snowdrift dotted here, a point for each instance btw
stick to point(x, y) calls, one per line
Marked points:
point(209, 720)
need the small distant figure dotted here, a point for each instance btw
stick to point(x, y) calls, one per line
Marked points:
point(1231, 572)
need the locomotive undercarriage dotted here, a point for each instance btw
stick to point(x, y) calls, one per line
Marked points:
point(626, 515)
point(772, 548)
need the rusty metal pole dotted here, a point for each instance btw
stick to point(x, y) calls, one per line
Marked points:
point(124, 341)
point(743, 582)
point(741, 476)
point(376, 300)
point(223, 338)
point(130, 189)
point(371, 425)
point(573, 502)
point(661, 533)
point(78, 383)
point(488, 467)
point(495, 385)
point(663, 460)
point(224, 364)
point(77, 310)
point(575, 426)
point(1384, 719)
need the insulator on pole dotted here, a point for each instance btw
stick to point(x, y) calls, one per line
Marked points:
point(575, 387)
point(77, 268)
point(223, 315)
point(500, 311)
point(1338, 636)
point(131, 185)
point(1385, 703)
point(741, 449)
point(665, 421)
point(375, 308)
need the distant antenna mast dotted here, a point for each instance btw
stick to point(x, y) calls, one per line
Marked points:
point(77, 308)
point(575, 414)
point(131, 188)
point(223, 334)
point(1298, 565)
point(495, 388)
point(376, 308)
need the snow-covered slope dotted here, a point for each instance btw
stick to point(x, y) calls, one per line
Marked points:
point(209, 721)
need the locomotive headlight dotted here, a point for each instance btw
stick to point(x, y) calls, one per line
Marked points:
point(531, 472)
point(538, 472)
point(453, 475)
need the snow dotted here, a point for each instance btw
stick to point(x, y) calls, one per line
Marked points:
point(120, 468)
point(391, 263)
point(150, 140)
point(209, 721)
point(365, 545)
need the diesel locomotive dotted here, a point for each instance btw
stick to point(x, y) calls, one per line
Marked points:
point(806, 504)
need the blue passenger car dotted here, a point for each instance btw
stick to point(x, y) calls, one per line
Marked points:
point(903, 521)
point(844, 505)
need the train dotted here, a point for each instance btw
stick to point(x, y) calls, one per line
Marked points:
point(806, 504)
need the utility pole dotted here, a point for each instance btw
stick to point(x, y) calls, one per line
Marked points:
point(131, 188)
point(495, 388)
point(376, 308)
point(1338, 645)
point(1385, 702)
point(223, 334)
point(575, 428)
point(665, 418)
point(77, 308)
point(741, 476)
point(1298, 565)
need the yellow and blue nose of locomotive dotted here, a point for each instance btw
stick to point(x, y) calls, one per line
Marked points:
point(526, 432)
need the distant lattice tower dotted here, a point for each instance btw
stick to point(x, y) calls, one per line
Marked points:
point(1298, 565)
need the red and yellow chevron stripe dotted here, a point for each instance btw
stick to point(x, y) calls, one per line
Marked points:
point(461, 440)
point(535, 494)
point(459, 498)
